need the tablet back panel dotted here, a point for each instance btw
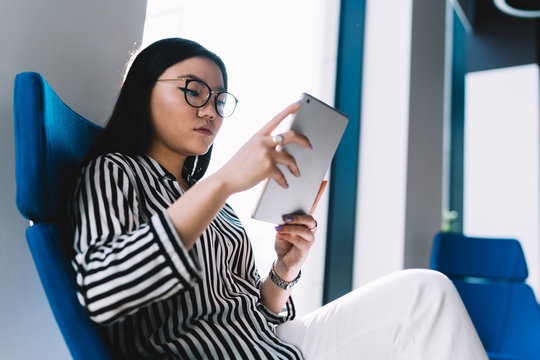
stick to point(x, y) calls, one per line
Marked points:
point(324, 126)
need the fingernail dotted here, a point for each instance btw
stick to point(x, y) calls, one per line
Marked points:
point(279, 228)
point(298, 102)
point(288, 218)
point(310, 146)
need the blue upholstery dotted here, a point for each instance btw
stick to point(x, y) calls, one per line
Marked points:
point(50, 142)
point(489, 275)
point(461, 256)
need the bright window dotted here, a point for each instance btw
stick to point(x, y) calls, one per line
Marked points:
point(501, 196)
point(273, 51)
point(380, 214)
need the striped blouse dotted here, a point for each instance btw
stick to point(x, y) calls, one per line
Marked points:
point(153, 298)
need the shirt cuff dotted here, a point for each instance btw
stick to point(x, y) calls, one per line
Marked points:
point(287, 313)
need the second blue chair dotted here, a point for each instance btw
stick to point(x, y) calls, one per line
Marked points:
point(490, 275)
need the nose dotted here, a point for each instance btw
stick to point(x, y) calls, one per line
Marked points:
point(208, 110)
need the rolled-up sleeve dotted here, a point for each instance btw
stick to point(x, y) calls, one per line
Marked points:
point(288, 312)
point(122, 264)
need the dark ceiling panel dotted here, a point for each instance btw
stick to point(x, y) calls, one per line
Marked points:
point(499, 40)
point(524, 4)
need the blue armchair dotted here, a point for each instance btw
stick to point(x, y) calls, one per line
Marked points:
point(50, 142)
point(490, 274)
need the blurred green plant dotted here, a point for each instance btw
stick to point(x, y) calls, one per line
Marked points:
point(449, 221)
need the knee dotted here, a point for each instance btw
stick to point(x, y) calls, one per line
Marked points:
point(429, 281)
point(427, 275)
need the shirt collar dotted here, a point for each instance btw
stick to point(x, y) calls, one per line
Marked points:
point(155, 168)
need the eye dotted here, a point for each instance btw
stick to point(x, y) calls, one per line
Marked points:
point(191, 92)
point(221, 103)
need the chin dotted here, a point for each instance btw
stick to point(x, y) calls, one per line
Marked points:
point(205, 149)
point(200, 151)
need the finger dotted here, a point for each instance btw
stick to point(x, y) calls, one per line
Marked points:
point(305, 220)
point(278, 176)
point(299, 242)
point(294, 137)
point(288, 160)
point(272, 124)
point(296, 230)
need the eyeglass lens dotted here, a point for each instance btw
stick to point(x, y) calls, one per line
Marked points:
point(198, 93)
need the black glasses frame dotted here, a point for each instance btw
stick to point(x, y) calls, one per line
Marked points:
point(210, 92)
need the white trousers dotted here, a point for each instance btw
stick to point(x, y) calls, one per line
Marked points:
point(411, 314)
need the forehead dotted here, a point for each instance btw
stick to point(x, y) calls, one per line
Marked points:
point(198, 67)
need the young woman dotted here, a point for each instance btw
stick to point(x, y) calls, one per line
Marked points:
point(164, 266)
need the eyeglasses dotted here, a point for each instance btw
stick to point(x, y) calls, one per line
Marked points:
point(197, 94)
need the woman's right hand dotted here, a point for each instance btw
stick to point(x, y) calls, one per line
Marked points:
point(258, 158)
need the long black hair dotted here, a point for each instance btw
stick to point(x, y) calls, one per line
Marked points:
point(129, 129)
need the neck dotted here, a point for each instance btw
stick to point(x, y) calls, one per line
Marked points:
point(173, 162)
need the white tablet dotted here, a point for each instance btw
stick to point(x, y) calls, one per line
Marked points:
point(323, 126)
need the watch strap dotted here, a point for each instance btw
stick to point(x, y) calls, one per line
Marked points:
point(285, 285)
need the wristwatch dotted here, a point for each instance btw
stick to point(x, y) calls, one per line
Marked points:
point(285, 285)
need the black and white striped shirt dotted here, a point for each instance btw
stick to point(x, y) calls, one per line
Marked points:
point(154, 298)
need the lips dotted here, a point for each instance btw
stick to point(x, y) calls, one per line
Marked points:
point(205, 130)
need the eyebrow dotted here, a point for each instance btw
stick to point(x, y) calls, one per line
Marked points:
point(195, 77)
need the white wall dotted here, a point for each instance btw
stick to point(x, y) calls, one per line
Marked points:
point(81, 48)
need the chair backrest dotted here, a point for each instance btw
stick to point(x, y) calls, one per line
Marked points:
point(459, 256)
point(50, 143)
point(489, 275)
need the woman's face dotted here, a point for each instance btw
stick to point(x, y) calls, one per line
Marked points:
point(181, 130)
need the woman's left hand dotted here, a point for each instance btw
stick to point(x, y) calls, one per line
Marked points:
point(294, 239)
